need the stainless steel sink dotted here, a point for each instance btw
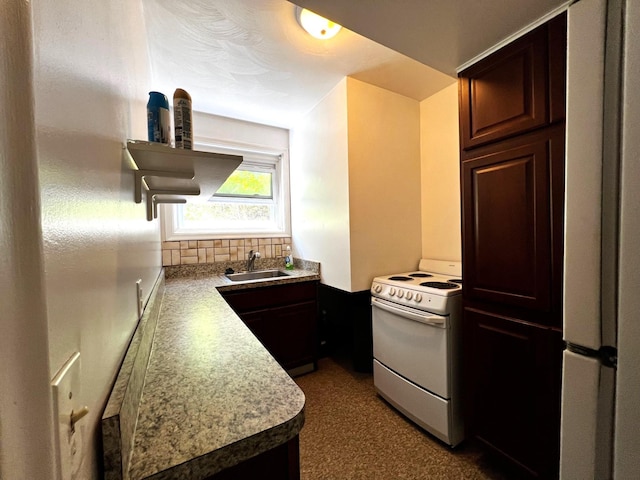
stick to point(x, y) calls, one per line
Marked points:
point(257, 275)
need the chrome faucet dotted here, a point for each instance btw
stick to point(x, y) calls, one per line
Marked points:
point(252, 259)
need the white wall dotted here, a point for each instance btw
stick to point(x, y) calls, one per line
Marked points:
point(239, 132)
point(320, 188)
point(90, 83)
point(26, 449)
point(440, 153)
point(355, 184)
point(384, 182)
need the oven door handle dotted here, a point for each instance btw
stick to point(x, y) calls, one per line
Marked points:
point(427, 319)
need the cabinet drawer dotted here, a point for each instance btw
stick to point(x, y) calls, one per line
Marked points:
point(265, 297)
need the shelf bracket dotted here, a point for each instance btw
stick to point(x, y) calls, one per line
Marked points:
point(151, 200)
point(157, 200)
point(141, 174)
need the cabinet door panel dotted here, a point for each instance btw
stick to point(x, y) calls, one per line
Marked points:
point(283, 318)
point(507, 221)
point(514, 375)
point(268, 296)
point(505, 93)
point(288, 332)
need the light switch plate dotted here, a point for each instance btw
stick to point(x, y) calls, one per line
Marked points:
point(67, 399)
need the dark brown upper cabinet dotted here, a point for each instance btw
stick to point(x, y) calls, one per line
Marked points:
point(516, 89)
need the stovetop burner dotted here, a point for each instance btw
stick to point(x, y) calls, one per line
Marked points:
point(435, 286)
point(440, 285)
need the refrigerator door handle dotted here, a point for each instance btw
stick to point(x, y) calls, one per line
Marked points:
point(607, 355)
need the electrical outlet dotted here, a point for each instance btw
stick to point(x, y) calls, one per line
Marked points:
point(139, 295)
point(68, 411)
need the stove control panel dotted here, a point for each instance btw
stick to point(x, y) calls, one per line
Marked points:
point(398, 293)
point(409, 297)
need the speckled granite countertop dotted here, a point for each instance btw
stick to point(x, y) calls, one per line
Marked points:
point(304, 271)
point(213, 396)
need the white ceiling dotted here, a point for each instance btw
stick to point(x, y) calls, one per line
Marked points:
point(249, 59)
point(443, 34)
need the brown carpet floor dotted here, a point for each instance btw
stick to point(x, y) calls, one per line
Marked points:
point(351, 433)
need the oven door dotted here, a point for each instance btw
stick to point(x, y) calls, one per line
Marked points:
point(412, 343)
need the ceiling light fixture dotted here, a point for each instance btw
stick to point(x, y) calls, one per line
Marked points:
point(315, 25)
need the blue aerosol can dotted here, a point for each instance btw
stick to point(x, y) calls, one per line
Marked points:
point(158, 118)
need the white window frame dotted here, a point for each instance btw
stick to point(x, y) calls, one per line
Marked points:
point(169, 217)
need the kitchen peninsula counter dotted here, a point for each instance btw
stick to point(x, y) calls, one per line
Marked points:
point(197, 392)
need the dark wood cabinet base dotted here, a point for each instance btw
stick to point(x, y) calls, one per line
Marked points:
point(284, 318)
point(279, 463)
point(345, 325)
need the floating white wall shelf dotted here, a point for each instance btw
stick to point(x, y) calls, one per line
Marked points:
point(174, 175)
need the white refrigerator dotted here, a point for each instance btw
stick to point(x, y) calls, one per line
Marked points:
point(600, 422)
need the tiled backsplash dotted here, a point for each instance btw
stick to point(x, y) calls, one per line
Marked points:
point(188, 252)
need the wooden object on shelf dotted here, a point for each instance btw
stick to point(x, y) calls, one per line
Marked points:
point(177, 174)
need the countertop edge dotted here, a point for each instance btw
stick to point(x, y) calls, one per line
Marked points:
point(235, 453)
point(220, 458)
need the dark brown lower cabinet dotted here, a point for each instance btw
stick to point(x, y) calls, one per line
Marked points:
point(513, 376)
point(279, 463)
point(283, 317)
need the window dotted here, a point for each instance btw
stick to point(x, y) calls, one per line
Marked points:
point(253, 201)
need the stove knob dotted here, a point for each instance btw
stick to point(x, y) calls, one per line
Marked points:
point(392, 291)
point(400, 293)
point(418, 297)
point(377, 288)
point(409, 296)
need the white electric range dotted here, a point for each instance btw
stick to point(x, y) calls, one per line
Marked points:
point(416, 345)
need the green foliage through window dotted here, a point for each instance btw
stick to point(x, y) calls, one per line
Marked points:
point(247, 183)
point(253, 200)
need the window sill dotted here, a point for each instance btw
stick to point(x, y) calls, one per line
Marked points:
point(178, 236)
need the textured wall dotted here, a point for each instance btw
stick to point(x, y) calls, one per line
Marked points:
point(91, 87)
point(320, 189)
point(26, 449)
